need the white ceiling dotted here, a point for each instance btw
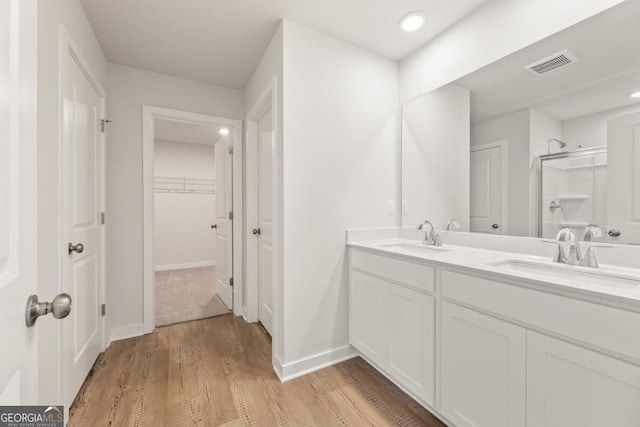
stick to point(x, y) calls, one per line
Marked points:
point(608, 48)
point(221, 41)
point(191, 133)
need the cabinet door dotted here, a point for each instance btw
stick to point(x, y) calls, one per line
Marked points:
point(366, 315)
point(483, 369)
point(568, 385)
point(411, 328)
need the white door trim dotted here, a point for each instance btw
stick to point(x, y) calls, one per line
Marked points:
point(68, 46)
point(264, 103)
point(504, 179)
point(268, 99)
point(149, 114)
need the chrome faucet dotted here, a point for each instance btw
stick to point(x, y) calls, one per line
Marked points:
point(430, 237)
point(568, 234)
point(453, 225)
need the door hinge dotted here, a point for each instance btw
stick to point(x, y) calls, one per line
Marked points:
point(103, 309)
point(231, 282)
point(104, 122)
point(231, 216)
point(102, 218)
point(230, 149)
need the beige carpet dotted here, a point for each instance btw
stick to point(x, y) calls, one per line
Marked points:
point(188, 294)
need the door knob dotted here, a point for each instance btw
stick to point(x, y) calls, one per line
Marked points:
point(60, 307)
point(614, 233)
point(79, 248)
point(256, 231)
point(495, 226)
point(214, 226)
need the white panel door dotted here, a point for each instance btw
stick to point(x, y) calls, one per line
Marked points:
point(265, 220)
point(18, 222)
point(366, 322)
point(410, 323)
point(483, 369)
point(623, 175)
point(82, 201)
point(224, 235)
point(570, 386)
point(486, 190)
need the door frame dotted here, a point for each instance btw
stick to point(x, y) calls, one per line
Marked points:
point(68, 46)
point(504, 179)
point(266, 101)
point(268, 98)
point(149, 114)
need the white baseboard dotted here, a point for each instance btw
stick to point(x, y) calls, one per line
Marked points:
point(182, 266)
point(313, 363)
point(125, 332)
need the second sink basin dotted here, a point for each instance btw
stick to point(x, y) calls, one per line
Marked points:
point(570, 273)
point(415, 248)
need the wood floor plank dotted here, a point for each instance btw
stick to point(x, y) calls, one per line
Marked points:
point(218, 372)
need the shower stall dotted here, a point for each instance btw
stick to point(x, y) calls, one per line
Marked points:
point(572, 191)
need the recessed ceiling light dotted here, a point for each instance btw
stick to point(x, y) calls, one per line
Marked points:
point(635, 94)
point(412, 21)
point(224, 131)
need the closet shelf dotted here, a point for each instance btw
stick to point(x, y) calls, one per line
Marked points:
point(185, 185)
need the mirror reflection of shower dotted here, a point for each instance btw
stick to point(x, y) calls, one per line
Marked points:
point(562, 144)
point(572, 191)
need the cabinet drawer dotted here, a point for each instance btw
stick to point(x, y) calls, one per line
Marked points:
point(416, 275)
point(607, 327)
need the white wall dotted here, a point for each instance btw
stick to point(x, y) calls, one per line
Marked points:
point(436, 156)
point(591, 131)
point(183, 237)
point(514, 128)
point(129, 90)
point(52, 14)
point(269, 68)
point(494, 31)
point(340, 136)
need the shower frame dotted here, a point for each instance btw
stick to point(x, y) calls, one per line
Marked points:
point(591, 151)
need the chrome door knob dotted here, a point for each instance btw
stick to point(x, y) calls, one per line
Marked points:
point(60, 307)
point(495, 226)
point(79, 248)
point(256, 231)
point(614, 233)
point(214, 226)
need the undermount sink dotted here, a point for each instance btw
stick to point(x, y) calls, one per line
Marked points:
point(414, 247)
point(570, 273)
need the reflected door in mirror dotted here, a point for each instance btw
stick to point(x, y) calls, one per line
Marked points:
point(486, 189)
point(623, 204)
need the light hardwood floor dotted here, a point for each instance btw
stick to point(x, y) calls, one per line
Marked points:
point(217, 372)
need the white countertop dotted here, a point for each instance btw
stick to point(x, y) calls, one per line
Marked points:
point(569, 279)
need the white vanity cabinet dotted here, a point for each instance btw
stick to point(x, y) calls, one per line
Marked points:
point(484, 349)
point(483, 369)
point(495, 372)
point(569, 385)
point(392, 319)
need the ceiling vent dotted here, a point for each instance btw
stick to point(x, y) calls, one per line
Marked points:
point(552, 63)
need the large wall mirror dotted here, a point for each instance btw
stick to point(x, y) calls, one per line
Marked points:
point(550, 134)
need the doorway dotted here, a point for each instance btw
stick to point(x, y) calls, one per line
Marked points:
point(262, 229)
point(191, 173)
point(488, 170)
point(185, 228)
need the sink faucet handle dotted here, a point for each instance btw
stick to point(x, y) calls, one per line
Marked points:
point(590, 256)
point(561, 255)
point(592, 231)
